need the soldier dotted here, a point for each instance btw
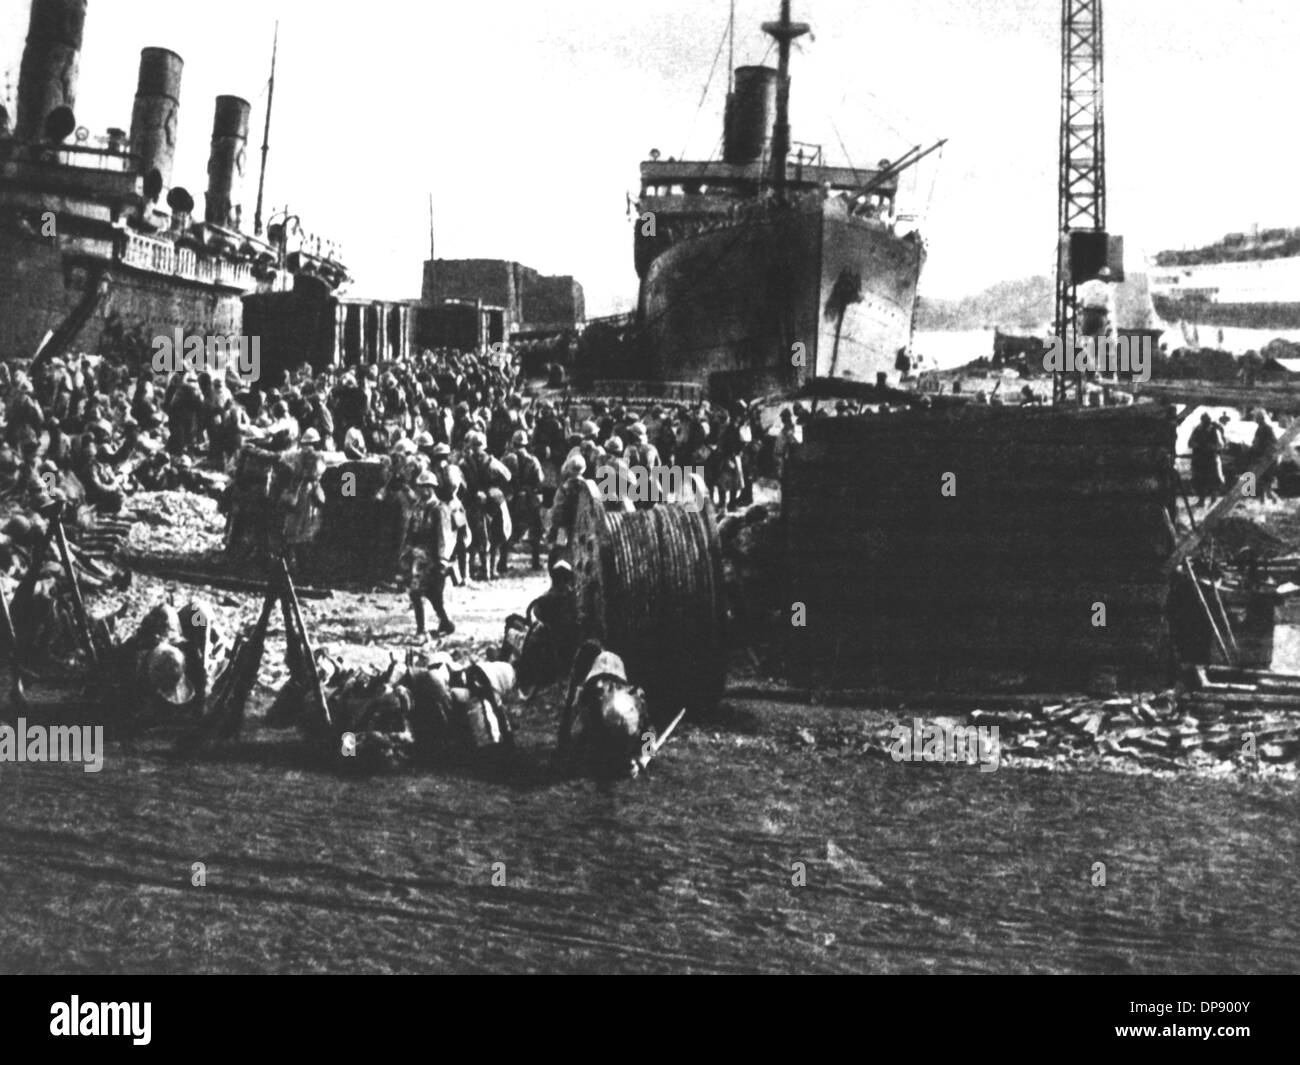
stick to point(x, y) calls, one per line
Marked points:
point(1263, 446)
point(605, 728)
point(541, 643)
point(728, 478)
point(557, 609)
point(162, 669)
point(788, 442)
point(489, 516)
point(640, 452)
point(565, 511)
point(103, 487)
point(430, 538)
point(25, 417)
point(614, 476)
point(304, 499)
point(1208, 443)
point(351, 410)
point(228, 427)
point(526, 494)
point(548, 440)
point(451, 493)
point(184, 405)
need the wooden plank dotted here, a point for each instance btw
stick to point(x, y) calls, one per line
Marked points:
point(1217, 394)
point(217, 580)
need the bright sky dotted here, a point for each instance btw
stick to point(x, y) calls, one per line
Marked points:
point(527, 119)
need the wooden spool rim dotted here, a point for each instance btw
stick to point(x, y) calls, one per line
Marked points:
point(661, 603)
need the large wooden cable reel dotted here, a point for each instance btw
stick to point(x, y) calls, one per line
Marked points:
point(649, 588)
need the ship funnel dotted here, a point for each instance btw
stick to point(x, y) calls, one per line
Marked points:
point(182, 205)
point(226, 162)
point(750, 112)
point(47, 80)
point(154, 119)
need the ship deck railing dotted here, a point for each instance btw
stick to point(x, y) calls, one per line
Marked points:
point(163, 257)
point(75, 155)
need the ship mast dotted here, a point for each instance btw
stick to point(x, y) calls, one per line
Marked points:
point(783, 32)
point(731, 49)
point(266, 133)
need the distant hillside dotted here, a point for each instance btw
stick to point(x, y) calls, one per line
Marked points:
point(1022, 306)
point(1026, 306)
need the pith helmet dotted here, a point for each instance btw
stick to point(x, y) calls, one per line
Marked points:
point(162, 623)
point(607, 664)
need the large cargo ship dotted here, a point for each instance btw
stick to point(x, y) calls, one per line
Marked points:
point(768, 266)
point(99, 252)
point(1245, 280)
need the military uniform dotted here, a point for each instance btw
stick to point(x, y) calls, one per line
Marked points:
point(489, 514)
point(605, 728)
point(526, 498)
point(430, 541)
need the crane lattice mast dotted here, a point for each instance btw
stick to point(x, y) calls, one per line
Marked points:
point(1081, 187)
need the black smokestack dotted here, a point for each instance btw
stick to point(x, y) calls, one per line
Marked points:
point(750, 110)
point(226, 162)
point(47, 81)
point(155, 117)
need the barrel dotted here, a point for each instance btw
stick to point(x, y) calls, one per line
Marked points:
point(649, 588)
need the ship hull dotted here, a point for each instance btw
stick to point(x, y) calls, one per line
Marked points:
point(41, 285)
point(728, 307)
point(1240, 315)
point(1262, 293)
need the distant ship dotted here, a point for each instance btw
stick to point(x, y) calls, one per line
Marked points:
point(1245, 280)
point(99, 252)
point(769, 267)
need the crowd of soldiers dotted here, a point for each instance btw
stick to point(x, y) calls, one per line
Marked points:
point(476, 463)
point(115, 430)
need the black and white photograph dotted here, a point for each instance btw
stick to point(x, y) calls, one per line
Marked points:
point(765, 487)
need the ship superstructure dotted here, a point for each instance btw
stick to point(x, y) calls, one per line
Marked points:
point(769, 266)
point(97, 246)
point(1245, 280)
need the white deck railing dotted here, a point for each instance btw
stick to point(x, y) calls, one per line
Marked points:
point(163, 257)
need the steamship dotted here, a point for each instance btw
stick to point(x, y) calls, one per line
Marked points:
point(1245, 280)
point(769, 266)
point(99, 252)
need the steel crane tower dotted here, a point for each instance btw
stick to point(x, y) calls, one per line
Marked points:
point(1081, 187)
